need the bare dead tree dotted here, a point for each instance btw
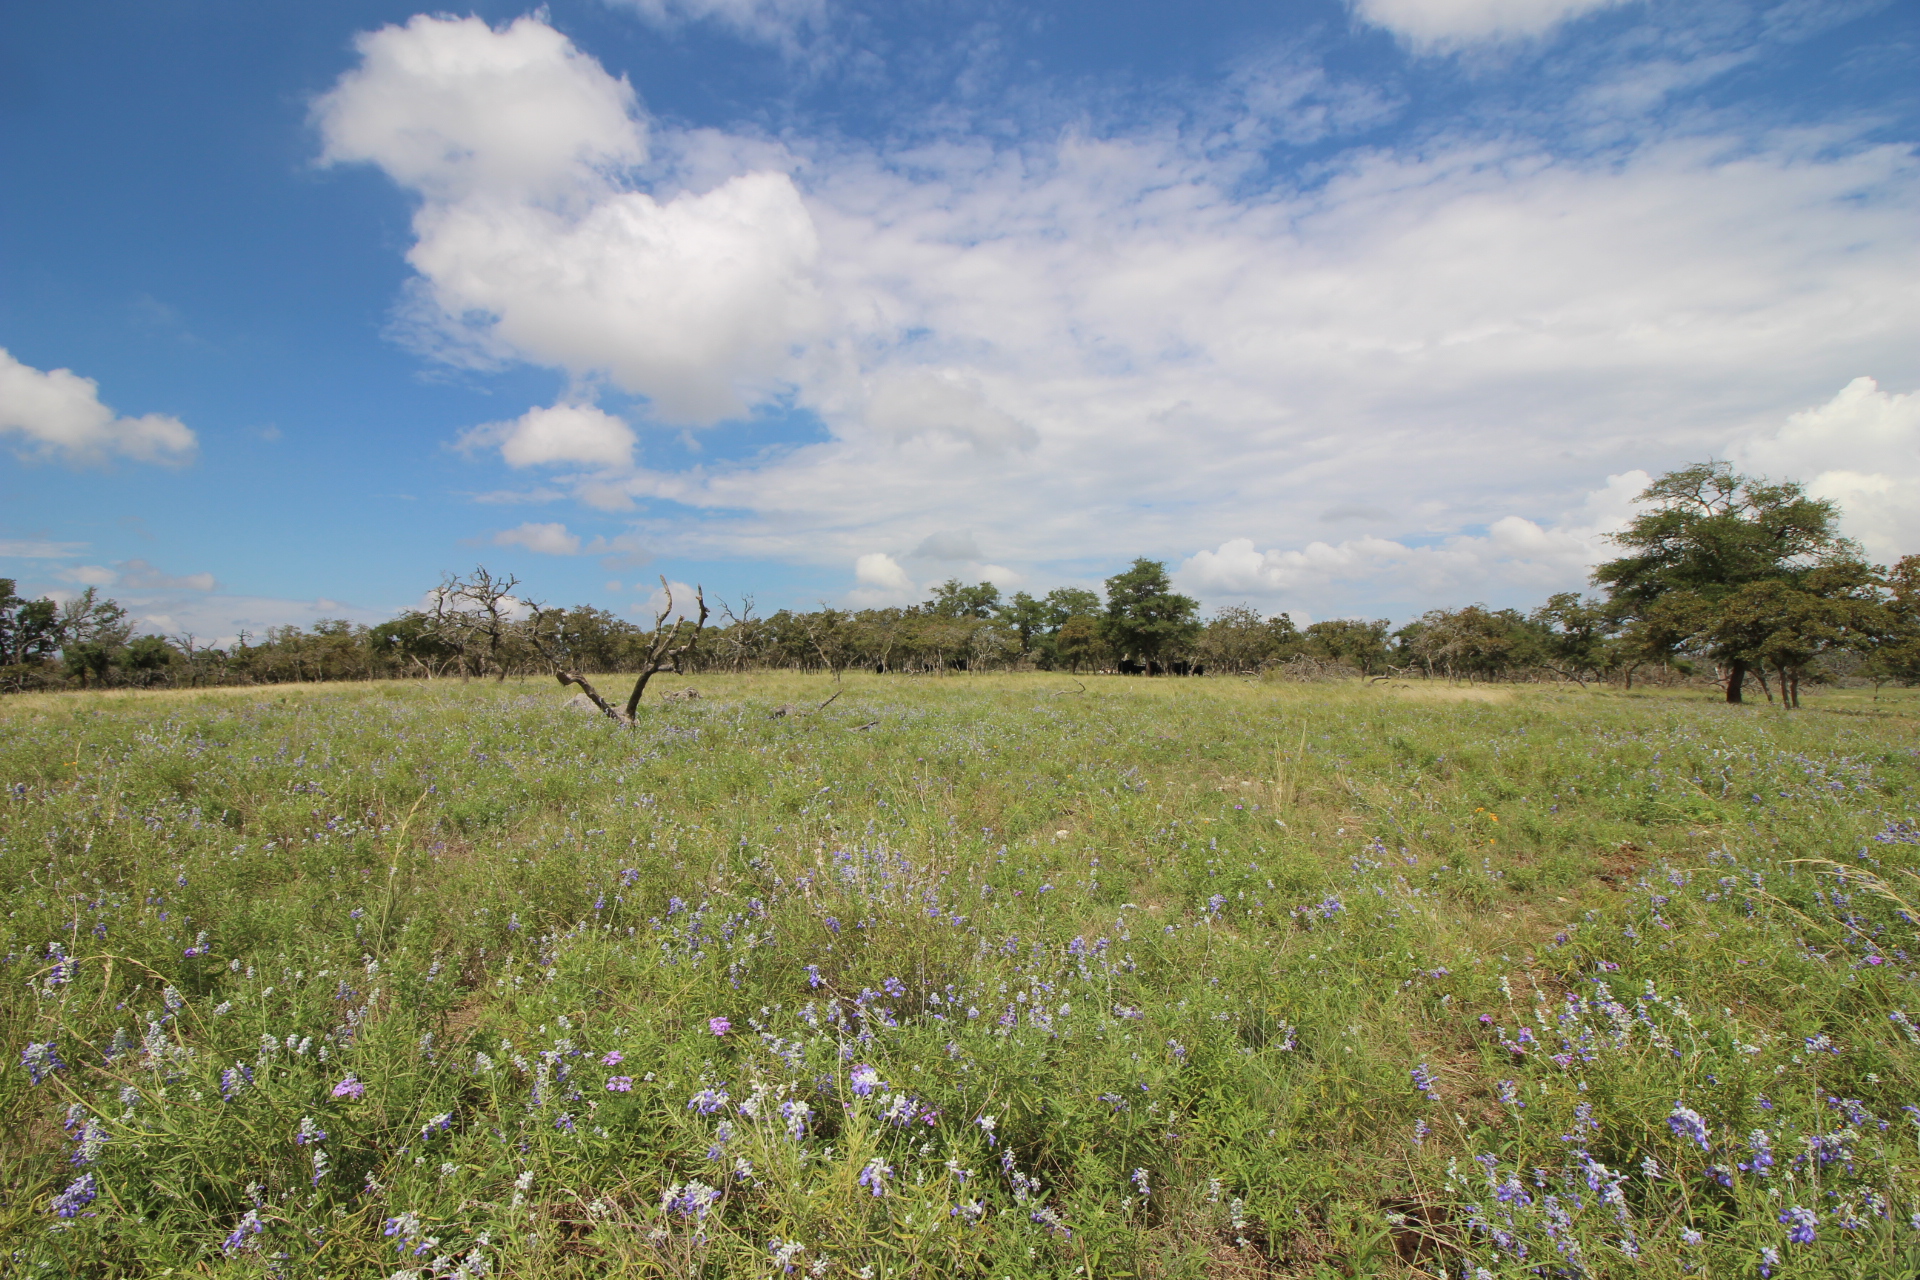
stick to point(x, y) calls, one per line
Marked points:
point(551, 645)
point(474, 611)
point(667, 643)
point(742, 633)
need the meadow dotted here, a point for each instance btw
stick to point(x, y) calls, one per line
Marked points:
point(998, 976)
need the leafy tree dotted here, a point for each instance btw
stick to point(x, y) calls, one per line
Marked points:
point(1063, 603)
point(1349, 640)
point(1711, 535)
point(1077, 643)
point(1789, 623)
point(1897, 657)
point(1575, 635)
point(952, 600)
point(1026, 618)
point(1237, 639)
point(1145, 619)
point(29, 629)
point(1474, 641)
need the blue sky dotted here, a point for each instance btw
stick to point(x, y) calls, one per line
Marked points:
point(1337, 308)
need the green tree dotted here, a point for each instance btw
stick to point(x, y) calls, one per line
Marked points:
point(1077, 643)
point(1145, 619)
point(1710, 536)
point(1026, 618)
point(1349, 640)
point(1237, 639)
point(952, 600)
point(1576, 635)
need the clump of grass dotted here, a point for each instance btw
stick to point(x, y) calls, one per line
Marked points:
point(957, 977)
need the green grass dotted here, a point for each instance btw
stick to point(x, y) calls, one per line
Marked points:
point(1186, 944)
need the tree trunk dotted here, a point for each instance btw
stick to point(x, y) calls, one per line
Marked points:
point(1736, 677)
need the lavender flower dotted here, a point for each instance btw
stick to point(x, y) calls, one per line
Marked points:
point(1769, 1259)
point(79, 1194)
point(613, 1058)
point(1687, 1123)
point(1424, 1081)
point(1799, 1223)
point(865, 1080)
point(874, 1176)
point(719, 1026)
point(1139, 1180)
point(708, 1101)
point(351, 1087)
point(250, 1225)
point(88, 1141)
point(619, 1084)
point(41, 1060)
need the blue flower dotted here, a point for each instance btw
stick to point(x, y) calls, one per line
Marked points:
point(79, 1194)
point(1687, 1123)
point(1799, 1223)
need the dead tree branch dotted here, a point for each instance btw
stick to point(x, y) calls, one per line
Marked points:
point(665, 645)
point(556, 661)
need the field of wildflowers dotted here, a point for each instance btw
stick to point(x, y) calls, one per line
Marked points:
point(959, 977)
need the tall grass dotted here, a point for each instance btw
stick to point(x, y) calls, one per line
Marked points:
point(971, 977)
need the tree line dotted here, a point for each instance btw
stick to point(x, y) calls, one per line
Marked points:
point(1720, 577)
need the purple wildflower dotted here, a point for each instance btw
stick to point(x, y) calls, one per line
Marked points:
point(79, 1194)
point(41, 1060)
point(719, 1026)
point(874, 1176)
point(351, 1087)
point(613, 1059)
point(1799, 1223)
point(1687, 1123)
point(865, 1080)
point(619, 1084)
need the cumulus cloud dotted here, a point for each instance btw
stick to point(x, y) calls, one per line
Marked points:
point(1441, 24)
point(529, 242)
point(1088, 347)
point(562, 433)
point(1860, 449)
point(877, 569)
point(547, 539)
point(58, 415)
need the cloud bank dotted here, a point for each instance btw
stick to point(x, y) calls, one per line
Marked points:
point(1401, 377)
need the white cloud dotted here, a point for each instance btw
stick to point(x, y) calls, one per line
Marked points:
point(59, 414)
point(948, 544)
point(877, 569)
point(1860, 449)
point(682, 604)
point(547, 539)
point(39, 549)
point(561, 433)
point(1513, 552)
point(909, 403)
point(456, 110)
point(779, 22)
point(531, 245)
point(1441, 24)
point(136, 575)
point(1087, 348)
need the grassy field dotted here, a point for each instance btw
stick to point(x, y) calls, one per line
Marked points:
point(996, 976)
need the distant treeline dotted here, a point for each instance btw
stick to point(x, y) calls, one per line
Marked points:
point(1725, 579)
